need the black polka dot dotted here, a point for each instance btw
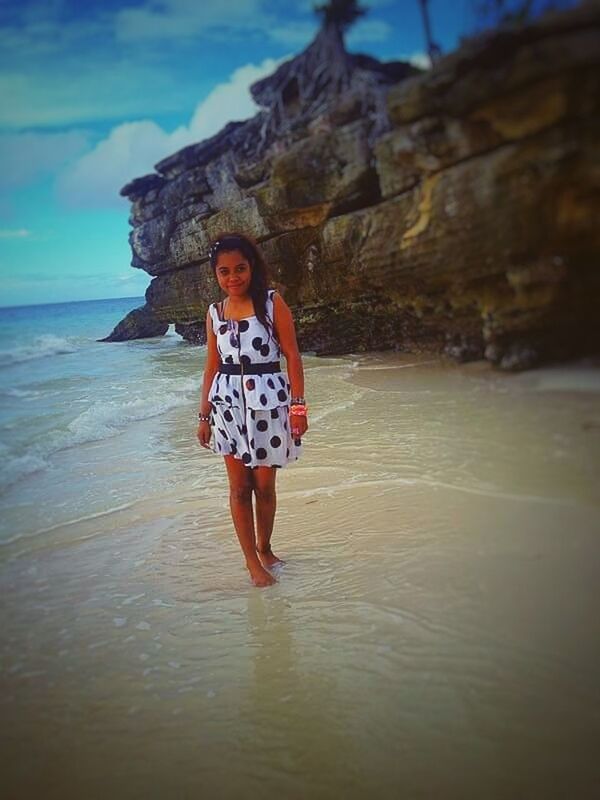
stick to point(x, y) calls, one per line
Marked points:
point(233, 447)
point(263, 399)
point(223, 433)
point(245, 360)
point(261, 425)
point(281, 381)
point(261, 453)
point(246, 458)
point(222, 328)
point(257, 342)
point(287, 453)
point(265, 350)
point(228, 415)
point(228, 399)
point(250, 384)
point(270, 383)
point(243, 325)
point(252, 443)
point(253, 413)
point(274, 413)
point(236, 393)
point(282, 395)
point(217, 398)
point(227, 379)
point(219, 446)
point(297, 442)
point(229, 360)
point(275, 441)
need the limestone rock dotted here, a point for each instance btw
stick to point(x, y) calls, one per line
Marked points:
point(452, 211)
point(141, 323)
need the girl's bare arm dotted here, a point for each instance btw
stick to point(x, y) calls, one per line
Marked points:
point(286, 333)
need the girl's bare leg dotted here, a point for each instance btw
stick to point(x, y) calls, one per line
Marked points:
point(266, 504)
point(240, 503)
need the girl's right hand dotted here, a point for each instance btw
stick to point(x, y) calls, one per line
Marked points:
point(204, 434)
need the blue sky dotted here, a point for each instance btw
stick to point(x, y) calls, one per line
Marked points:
point(95, 93)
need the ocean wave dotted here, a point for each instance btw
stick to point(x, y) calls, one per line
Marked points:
point(14, 467)
point(102, 420)
point(13, 391)
point(105, 419)
point(42, 347)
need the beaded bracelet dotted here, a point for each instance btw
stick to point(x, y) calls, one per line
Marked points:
point(204, 417)
point(298, 410)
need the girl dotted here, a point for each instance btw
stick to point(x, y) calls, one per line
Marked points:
point(256, 418)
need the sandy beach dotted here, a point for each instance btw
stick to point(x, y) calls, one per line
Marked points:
point(432, 634)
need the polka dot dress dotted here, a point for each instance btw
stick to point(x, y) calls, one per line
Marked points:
point(250, 416)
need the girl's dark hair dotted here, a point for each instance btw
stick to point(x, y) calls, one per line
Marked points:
point(259, 282)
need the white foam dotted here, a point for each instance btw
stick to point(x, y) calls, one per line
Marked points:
point(105, 419)
point(12, 391)
point(44, 346)
point(13, 468)
point(102, 420)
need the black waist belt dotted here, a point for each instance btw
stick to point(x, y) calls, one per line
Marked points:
point(250, 368)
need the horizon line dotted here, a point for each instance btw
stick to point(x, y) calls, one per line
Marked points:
point(63, 302)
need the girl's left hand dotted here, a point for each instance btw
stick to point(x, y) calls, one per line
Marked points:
point(298, 425)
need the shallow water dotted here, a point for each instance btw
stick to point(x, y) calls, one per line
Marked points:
point(433, 632)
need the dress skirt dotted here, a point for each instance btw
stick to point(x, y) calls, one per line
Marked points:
point(258, 437)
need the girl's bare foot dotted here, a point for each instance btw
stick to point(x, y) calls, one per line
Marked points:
point(268, 558)
point(258, 574)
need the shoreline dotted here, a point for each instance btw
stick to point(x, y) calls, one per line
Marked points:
point(425, 530)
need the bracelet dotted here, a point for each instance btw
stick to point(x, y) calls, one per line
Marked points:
point(204, 417)
point(297, 401)
point(298, 410)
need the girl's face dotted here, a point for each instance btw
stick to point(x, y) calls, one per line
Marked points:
point(233, 273)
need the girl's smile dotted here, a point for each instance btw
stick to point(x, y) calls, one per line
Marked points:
point(233, 273)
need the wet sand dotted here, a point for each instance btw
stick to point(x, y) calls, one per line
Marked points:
point(432, 634)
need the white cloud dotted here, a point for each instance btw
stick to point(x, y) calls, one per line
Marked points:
point(131, 149)
point(18, 233)
point(418, 59)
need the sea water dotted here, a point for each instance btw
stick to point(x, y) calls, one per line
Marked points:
point(433, 632)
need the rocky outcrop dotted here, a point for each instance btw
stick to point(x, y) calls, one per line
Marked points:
point(140, 323)
point(452, 211)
